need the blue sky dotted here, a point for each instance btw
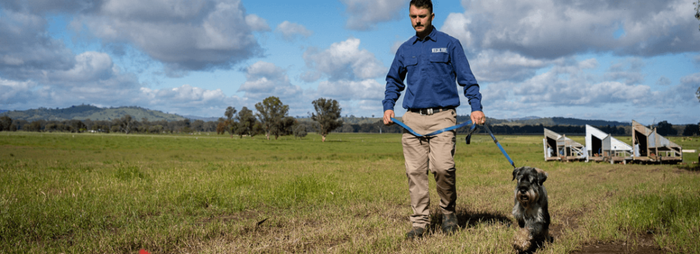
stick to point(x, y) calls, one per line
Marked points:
point(609, 60)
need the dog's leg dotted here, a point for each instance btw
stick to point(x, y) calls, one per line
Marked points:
point(522, 240)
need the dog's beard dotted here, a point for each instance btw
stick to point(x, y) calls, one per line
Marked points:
point(527, 198)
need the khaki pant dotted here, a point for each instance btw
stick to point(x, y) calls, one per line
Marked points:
point(435, 153)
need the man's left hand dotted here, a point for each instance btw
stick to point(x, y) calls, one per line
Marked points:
point(478, 117)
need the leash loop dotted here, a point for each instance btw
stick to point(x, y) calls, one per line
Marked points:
point(467, 139)
point(403, 125)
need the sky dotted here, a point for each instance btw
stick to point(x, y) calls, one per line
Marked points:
point(587, 59)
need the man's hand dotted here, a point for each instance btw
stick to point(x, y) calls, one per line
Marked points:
point(477, 117)
point(387, 117)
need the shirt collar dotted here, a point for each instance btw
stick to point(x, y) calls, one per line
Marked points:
point(432, 36)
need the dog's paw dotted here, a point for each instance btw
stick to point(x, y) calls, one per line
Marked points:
point(521, 245)
point(522, 240)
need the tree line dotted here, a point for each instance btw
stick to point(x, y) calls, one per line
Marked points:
point(272, 120)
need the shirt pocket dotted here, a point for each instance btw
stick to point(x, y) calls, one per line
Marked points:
point(411, 61)
point(411, 64)
point(439, 58)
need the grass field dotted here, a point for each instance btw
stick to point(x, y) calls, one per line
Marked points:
point(88, 193)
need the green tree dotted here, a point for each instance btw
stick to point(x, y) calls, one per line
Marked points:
point(246, 122)
point(230, 123)
point(221, 126)
point(286, 126)
point(125, 123)
point(691, 130)
point(5, 123)
point(33, 126)
point(300, 131)
point(77, 126)
point(271, 111)
point(327, 115)
point(665, 128)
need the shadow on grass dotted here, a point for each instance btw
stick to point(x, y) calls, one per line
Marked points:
point(690, 167)
point(468, 219)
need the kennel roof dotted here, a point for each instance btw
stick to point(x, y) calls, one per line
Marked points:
point(654, 140)
point(611, 142)
point(560, 139)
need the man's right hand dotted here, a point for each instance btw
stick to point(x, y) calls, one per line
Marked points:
point(387, 117)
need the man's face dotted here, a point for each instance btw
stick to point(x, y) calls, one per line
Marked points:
point(421, 19)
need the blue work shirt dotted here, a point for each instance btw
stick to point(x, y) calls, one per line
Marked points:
point(434, 66)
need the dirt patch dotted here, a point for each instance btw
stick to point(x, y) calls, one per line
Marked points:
point(567, 221)
point(689, 168)
point(605, 248)
point(641, 244)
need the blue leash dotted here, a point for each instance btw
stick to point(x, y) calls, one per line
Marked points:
point(499, 145)
point(468, 138)
point(435, 132)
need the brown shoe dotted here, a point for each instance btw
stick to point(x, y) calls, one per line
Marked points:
point(449, 223)
point(416, 232)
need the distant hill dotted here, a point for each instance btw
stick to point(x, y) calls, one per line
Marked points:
point(348, 120)
point(570, 121)
point(524, 118)
point(94, 113)
point(206, 119)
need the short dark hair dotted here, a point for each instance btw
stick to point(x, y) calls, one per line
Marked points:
point(423, 4)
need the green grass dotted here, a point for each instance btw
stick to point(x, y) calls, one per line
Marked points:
point(87, 193)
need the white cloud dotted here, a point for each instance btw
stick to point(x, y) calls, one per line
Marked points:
point(184, 94)
point(26, 51)
point(345, 61)
point(552, 29)
point(663, 81)
point(457, 25)
point(368, 89)
point(495, 66)
point(41, 7)
point(290, 30)
point(15, 92)
point(183, 35)
point(265, 79)
point(189, 100)
point(629, 70)
point(256, 23)
point(685, 92)
point(89, 66)
point(366, 14)
point(566, 86)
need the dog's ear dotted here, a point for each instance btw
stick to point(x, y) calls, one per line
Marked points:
point(541, 177)
point(515, 172)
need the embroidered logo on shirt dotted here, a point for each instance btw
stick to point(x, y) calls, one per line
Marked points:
point(439, 50)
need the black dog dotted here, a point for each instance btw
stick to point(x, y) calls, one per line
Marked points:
point(531, 209)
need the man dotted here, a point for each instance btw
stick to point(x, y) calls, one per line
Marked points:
point(434, 62)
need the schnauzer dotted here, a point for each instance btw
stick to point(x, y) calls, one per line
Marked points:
point(531, 209)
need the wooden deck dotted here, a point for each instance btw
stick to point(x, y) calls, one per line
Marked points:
point(658, 159)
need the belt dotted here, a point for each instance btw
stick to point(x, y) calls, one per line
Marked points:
point(428, 111)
